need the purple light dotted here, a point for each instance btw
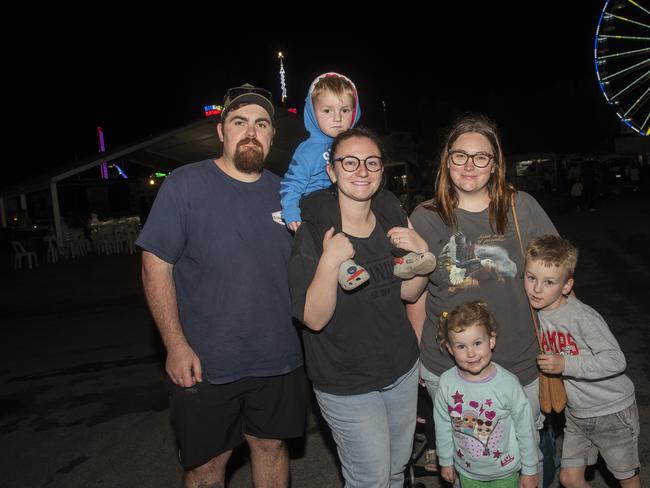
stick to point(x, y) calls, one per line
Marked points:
point(103, 168)
point(100, 139)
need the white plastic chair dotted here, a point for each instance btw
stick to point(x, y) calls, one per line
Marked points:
point(75, 243)
point(52, 249)
point(128, 240)
point(20, 253)
point(104, 239)
point(127, 234)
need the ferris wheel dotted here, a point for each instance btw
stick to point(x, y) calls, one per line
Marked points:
point(622, 57)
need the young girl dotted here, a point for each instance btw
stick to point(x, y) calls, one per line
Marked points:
point(484, 423)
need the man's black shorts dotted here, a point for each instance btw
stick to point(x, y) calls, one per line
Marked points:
point(211, 419)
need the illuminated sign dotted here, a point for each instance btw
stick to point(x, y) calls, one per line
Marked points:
point(209, 110)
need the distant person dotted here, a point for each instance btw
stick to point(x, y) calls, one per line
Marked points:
point(644, 175)
point(215, 276)
point(576, 193)
point(635, 174)
point(484, 424)
point(589, 191)
point(417, 200)
point(574, 172)
point(331, 108)
point(404, 201)
point(547, 178)
point(601, 412)
point(92, 221)
point(360, 349)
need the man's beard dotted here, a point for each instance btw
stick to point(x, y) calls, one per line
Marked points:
point(249, 159)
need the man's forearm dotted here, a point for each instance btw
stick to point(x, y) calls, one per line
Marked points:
point(160, 291)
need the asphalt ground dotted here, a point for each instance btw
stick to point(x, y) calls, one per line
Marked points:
point(83, 401)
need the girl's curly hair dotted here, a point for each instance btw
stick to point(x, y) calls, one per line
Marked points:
point(464, 316)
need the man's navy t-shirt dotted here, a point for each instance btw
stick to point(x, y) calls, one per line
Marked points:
point(230, 270)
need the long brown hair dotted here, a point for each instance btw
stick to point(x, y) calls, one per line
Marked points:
point(500, 191)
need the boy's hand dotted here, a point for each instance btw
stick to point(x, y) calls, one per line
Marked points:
point(447, 473)
point(528, 481)
point(293, 226)
point(551, 363)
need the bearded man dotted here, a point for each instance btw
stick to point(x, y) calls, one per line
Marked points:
point(214, 268)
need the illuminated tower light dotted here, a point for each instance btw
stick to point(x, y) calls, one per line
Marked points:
point(283, 83)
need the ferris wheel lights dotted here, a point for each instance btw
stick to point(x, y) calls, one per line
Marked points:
point(621, 55)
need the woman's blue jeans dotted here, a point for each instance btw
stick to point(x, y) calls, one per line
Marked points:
point(374, 431)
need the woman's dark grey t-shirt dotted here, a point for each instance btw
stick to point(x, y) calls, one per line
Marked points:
point(476, 263)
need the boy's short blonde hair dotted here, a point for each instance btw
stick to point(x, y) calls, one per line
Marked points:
point(553, 250)
point(463, 317)
point(337, 85)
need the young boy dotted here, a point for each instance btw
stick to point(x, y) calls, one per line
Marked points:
point(332, 107)
point(601, 413)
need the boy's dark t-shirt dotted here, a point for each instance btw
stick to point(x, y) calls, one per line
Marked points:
point(230, 270)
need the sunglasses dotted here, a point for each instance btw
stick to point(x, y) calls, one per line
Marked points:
point(238, 91)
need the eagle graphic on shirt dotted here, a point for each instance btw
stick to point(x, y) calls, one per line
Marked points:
point(466, 264)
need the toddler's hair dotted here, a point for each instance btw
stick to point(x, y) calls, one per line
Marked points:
point(337, 85)
point(553, 250)
point(463, 317)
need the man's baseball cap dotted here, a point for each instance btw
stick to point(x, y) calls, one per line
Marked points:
point(247, 94)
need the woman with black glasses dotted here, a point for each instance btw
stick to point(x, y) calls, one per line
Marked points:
point(360, 349)
point(469, 226)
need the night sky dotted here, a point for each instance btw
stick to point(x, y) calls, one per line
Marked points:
point(528, 65)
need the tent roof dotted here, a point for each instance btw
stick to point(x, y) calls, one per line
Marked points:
point(192, 142)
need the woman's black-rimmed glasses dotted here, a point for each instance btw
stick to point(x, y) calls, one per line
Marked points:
point(480, 159)
point(352, 163)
